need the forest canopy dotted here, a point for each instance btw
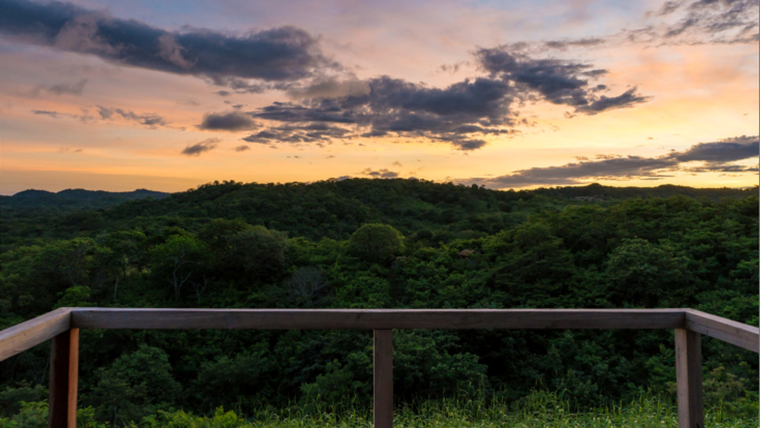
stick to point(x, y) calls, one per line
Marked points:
point(380, 244)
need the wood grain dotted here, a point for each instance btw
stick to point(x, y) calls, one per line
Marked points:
point(383, 378)
point(689, 379)
point(735, 333)
point(73, 377)
point(377, 319)
point(21, 337)
point(64, 358)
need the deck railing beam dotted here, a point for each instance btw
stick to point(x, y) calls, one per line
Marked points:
point(383, 378)
point(62, 325)
point(64, 380)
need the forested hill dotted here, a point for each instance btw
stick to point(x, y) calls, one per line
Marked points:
point(326, 209)
point(74, 198)
point(382, 244)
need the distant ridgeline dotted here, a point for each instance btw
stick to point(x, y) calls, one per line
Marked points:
point(326, 209)
point(74, 198)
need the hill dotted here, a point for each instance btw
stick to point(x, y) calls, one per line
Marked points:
point(234, 245)
point(74, 198)
point(325, 209)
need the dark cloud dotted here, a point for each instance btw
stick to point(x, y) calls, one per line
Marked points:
point(54, 114)
point(728, 150)
point(566, 43)
point(394, 107)
point(231, 121)
point(383, 173)
point(223, 93)
point(84, 117)
point(151, 120)
point(61, 88)
point(242, 148)
point(198, 148)
point(715, 157)
point(461, 114)
point(311, 133)
point(275, 55)
point(628, 98)
point(556, 81)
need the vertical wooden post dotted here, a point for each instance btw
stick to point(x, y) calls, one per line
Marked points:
point(383, 378)
point(64, 379)
point(689, 379)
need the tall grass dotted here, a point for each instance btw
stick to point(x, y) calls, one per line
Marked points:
point(539, 409)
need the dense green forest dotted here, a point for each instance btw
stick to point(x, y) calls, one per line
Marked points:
point(396, 243)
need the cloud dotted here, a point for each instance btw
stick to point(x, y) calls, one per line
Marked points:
point(565, 43)
point(279, 54)
point(383, 173)
point(61, 88)
point(242, 148)
point(54, 114)
point(628, 98)
point(151, 120)
point(395, 107)
point(714, 155)
point(727, 150)
point(84, 117)
point(556, 81)
point(331, 87)
point(231, 121)
point(203, 146)
point(461, 114)
point(708, 21)
point(311, 133)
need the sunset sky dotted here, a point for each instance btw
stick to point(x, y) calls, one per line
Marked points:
point(168, 95)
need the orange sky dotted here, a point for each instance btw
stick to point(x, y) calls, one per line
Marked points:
point(695, 88)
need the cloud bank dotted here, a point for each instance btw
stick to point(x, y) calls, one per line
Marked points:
point(715, 157)
point(282, 54)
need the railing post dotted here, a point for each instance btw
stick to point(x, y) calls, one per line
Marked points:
point(689, 379)
point(64, 379)
point(383, 378)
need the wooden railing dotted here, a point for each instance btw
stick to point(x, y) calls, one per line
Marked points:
point(63, 326)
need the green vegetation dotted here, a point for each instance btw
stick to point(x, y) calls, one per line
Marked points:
point(386, 244)
point(537, 410)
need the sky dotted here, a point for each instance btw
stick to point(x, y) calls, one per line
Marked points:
point(115, 95)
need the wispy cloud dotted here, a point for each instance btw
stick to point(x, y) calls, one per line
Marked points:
point(60, 89)
point(151, 120)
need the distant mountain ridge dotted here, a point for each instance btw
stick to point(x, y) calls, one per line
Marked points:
point(75, 198)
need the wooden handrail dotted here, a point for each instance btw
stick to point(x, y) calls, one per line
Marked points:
point(62, 325)
point(20, 337)
point(377, 319)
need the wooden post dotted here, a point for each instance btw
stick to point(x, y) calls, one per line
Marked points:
point(64, 379)
point(689, 379)
point(383, 378)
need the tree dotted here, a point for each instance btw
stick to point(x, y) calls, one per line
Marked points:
point(136, 385)
point(178, 259)
point(376, 243)
point(259, 251)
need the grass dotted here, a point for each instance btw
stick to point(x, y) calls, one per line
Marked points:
point(540, 409)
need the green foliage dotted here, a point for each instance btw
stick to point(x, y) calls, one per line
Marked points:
point(259, 251)
point(377, 243)
point(226, 245)
point(134, 386)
